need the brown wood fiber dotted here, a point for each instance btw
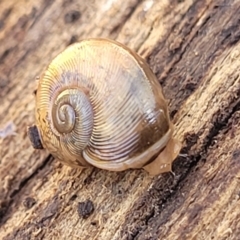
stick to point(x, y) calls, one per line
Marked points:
point(194, 49)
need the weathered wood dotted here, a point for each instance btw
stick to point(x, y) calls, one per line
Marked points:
point(194, 49)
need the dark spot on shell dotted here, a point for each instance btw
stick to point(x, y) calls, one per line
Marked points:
point(85, 209)
point(72, 16)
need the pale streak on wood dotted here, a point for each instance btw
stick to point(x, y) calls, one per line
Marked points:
point(151, 24)
point(220, 84)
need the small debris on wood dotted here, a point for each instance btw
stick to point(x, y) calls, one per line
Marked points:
point(85, 209)
point(34, 137)
point(37, 81)
point(73, 197)
point(8, 130)
point(236, 154)
point(29, 202)
point(94, 223)
point(72, 16)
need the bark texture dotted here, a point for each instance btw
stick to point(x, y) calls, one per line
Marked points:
point(193, 47)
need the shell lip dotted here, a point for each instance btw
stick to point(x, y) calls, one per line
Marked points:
point(134, 162)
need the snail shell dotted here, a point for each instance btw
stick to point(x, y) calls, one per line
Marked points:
point(98, 103)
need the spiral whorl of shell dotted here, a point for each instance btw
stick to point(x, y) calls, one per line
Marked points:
point(100, 102)
point(64, 113)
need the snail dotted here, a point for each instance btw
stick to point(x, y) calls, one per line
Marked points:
point(99, 104)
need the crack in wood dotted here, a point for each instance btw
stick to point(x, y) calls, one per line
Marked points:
point(166, 196)
point(5, 210)
point(118, 27)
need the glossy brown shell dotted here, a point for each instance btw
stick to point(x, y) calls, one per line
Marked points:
point(113, 113)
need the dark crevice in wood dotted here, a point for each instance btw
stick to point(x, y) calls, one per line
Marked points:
point(183, 87)
point(8, 88)
point(42, 221)
point(5, 210)
point(118, 27)
point(36, 18)
point(165, 189)
point(186, 86)
point(231, 35)
point(5, 54)
point(221, 123)
point(191, 14)
point(4, 17)
point(210, 142)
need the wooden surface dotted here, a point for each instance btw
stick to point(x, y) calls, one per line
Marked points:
point(194, 49)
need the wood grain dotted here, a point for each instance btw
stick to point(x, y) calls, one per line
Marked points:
point(194, 49)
